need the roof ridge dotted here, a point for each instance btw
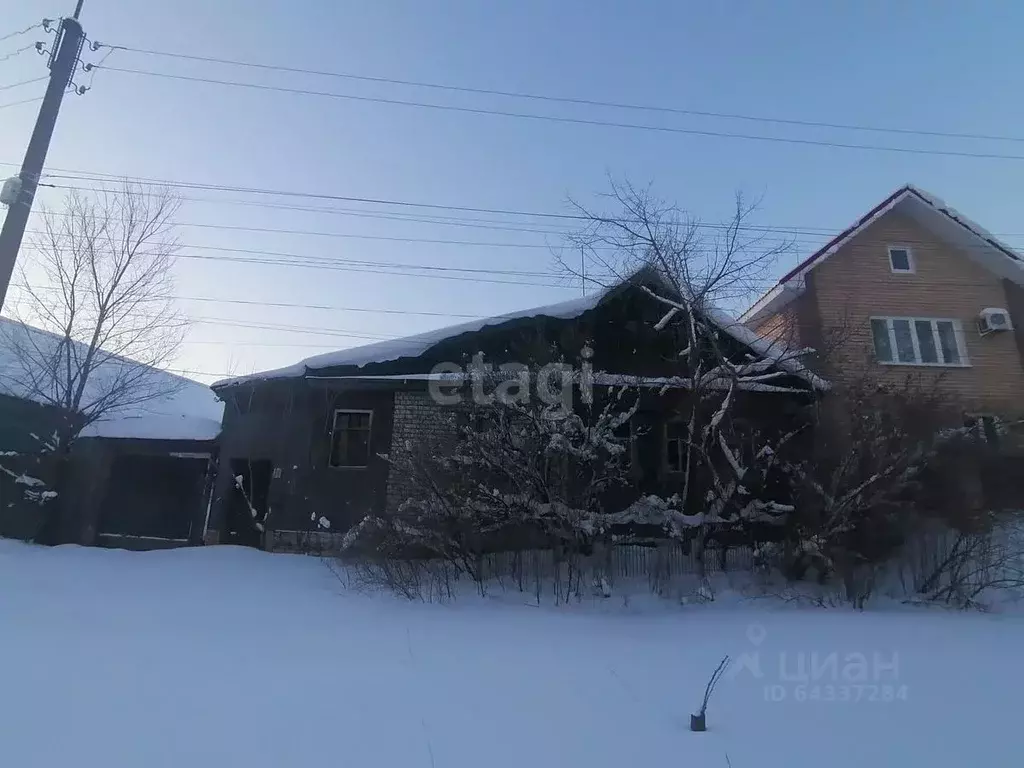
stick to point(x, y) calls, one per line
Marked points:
point(932, 201)
point(446, 332)
point(82, 344)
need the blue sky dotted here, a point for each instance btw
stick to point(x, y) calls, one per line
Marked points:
point(939, 65)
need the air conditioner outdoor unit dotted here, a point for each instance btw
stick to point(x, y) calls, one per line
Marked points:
point(994, 319)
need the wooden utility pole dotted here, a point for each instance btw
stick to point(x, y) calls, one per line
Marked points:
point(63, 60)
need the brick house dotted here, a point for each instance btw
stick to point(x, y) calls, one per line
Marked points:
point(912, 287)
point(309, 440)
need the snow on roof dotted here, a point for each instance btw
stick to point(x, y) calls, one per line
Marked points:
point(187, 410)
point(786, 358)
point(778, 296)
point(413, 346)
point(602, 379)
point(189, 414)
point(976, 229)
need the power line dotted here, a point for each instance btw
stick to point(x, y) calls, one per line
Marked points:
point(23, 101)
point(356, 236)
point(304, 329)
point(23, 82)
point(475, 223)
point(359, 236)
point(396, 273)
point(327, 265)
point(106, 178)
point(190, 372)
point(575, 120)
point(261, 344)
point(97, 176)
point(333, 268)
point(382, 268)
point(489, 224)
point(568, 99)
point(328, 307)
point(771, 235)
point(24, 31)
point(291, 305)
point(470, 222)
point(17, 52)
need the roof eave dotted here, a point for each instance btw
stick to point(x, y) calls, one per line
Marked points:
point(776, 299)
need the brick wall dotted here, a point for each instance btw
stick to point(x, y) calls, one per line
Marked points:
point(418, 422)
point(857, 283)
point(781, 327)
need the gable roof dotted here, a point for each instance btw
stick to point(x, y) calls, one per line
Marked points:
point(187, 410)
point(414, 346)
point(932, 212)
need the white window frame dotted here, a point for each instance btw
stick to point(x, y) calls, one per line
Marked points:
point(910, 259)
point(958, 334)
point(369, 439)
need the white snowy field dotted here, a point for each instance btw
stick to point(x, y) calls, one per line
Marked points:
point(229, 657)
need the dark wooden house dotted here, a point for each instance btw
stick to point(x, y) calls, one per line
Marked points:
point(306, 442)
point(140, 477)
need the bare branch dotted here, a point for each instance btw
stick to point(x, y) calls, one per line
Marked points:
point(101, 288)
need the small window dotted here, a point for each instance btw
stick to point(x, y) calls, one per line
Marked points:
point(900, 259)
point(918, 341)
point(350, 438)
point(675, 445)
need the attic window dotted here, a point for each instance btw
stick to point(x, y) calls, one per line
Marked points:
point(900, 259)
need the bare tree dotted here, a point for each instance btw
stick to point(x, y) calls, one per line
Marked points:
point(711, 263)
point(95, 316)
point(969, 567)
point(719, 360)
point(873, 479)
point(99, 282)
point(514, 472)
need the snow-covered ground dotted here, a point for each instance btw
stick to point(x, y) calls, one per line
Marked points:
point(229, 657)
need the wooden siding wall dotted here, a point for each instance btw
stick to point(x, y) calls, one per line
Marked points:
point(291, 428)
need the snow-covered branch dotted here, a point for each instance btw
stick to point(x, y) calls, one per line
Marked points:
point(507, 469)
